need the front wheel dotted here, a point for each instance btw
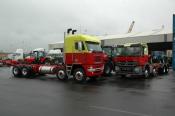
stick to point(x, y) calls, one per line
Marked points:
point(61, 74)
point(79, 75)
point(154, 72)
point(146, 73)
point(107, 70)
point(166, 70)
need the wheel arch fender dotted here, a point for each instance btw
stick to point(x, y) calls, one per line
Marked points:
point(112, 64)
point(75, 66)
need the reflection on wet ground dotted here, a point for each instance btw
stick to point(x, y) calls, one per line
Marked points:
point(107, 96)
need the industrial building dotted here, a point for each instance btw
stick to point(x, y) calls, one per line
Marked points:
point(158, 40)
point(3, 55)
point(56, 45)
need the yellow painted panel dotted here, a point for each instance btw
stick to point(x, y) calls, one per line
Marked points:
point(69, 42)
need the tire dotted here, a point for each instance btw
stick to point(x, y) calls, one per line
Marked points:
point(146, 73)
point(61, 75)
point(16, 71)
point(160, 71)
point(154, 72)
point(107, 70)
point(26, 72)
point(166, 70)
point(79, 75)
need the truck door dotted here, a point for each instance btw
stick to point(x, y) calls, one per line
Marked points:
point(79, 57)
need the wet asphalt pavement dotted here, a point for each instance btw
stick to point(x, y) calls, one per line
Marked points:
point(114, 96)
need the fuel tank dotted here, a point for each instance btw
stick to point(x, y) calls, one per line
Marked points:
point(47, 69)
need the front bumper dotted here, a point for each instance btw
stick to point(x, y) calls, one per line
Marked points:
point(94, 70)
point(129, 71)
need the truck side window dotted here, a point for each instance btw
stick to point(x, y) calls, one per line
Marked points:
point(76, 45)
point(145, 51)
point(79, 46)
point(83, 48)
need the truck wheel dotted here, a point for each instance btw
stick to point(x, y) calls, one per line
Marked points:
point(16, 71)
point(162, 70)
point(146, 73)
point(166, 70)
point(107, 70)
point(61, 74)
point(79, 75)
point(154, 72)
point(25, 72)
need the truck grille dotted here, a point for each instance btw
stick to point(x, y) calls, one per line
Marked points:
point(126, 69)
point(126, 64)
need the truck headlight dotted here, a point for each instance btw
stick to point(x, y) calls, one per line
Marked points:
point(91, 69)
point(117, 68)
point(102, 68)
point(137, 69)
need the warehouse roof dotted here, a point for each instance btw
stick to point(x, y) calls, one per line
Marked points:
point(133, 34)
point(137, 34)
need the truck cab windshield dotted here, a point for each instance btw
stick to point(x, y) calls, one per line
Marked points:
point(93, 46)
point(108, 51)
point(129, 51)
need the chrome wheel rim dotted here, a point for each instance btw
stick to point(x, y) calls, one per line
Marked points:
point(24, 71)
point(146, 73)
point(15, 71)
point(61, 74)
point(164, 70)
point(154, 72)
point(79, 76)
point(107, 70)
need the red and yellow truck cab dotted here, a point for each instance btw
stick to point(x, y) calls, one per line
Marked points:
point(83, 56)
point(133, 59)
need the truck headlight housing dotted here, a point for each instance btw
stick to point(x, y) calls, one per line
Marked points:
point(91, 69)
point(137, 69)
point(117, 68)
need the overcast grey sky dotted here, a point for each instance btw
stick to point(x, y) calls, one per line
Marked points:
point(31, 24)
